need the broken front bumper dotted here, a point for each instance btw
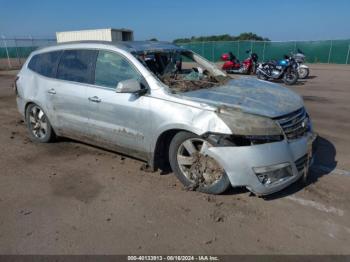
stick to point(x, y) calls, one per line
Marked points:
point(245, 164)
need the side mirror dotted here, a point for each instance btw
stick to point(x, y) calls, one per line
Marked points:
point(129, 86)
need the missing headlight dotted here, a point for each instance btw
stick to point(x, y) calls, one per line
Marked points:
point(220, 139)
point(235, 140)
point(256, 140)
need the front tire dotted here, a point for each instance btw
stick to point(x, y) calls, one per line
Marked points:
point(291, 77)
point(39, 127)
point(260, 75)
point(195, 169)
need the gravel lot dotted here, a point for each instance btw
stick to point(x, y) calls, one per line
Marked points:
point(71, 198)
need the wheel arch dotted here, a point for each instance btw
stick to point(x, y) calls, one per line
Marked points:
point(160, 159)
point(31, 102)
point(27, 104)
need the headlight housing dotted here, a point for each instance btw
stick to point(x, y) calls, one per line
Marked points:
point(240, 140)
point(249, 125)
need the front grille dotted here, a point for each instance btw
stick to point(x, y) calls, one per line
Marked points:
point(294, 124)
point(301, 162)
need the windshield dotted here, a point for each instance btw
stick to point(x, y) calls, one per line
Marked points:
point(183, 71)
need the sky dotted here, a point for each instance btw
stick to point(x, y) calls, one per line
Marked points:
point(170, 19)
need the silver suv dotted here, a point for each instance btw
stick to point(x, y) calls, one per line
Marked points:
point(170, 107)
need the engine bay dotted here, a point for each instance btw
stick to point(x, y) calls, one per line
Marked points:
point(182, 71)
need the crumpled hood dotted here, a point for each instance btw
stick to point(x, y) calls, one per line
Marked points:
point(251, 96)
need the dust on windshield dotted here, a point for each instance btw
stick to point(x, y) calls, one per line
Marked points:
point(183, 71)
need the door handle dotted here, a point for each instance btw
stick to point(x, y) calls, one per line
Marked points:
point(52, 91)
point(95, 99)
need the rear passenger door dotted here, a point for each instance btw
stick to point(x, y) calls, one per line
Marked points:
point(68, 97)
point(45, 65)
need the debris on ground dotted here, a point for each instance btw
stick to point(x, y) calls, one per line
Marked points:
point(217, 216)
point(208, 242)
point(25, 213)
point(146, 168)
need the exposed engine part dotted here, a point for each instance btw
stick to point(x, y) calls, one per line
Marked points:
point(182, 71)
point(178, 84)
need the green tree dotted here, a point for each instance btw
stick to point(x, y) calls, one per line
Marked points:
point(224, 37)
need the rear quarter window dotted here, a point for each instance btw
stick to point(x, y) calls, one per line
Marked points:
point(77, 65)
point(45, 64)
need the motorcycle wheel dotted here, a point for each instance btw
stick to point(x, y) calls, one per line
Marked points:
point(249, 71)
point(290, 78)
point(303, 73)
point(260, 75)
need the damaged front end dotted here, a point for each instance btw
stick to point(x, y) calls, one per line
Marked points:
point(247, 129)
point(258, 132)
point(261, 154)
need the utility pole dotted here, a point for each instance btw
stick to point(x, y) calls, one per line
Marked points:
point(330, 51)
point(7, 52)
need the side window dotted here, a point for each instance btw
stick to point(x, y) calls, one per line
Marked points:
point(112, 68)
point(45, 64)
point(77, 65)
point(33, 63)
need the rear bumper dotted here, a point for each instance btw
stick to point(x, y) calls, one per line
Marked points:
point(21, 105)
point(240, 162)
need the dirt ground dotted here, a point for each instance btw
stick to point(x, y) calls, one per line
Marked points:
point(12, 63)
point(70, 198)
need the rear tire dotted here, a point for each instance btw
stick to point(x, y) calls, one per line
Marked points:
point(303, 73)
point(187, 162)
point(39, 127)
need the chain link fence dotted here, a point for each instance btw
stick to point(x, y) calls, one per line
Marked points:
point(14, 51)
point(328, 51)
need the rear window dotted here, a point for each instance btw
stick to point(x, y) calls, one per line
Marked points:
point(77, 65)
point(45, 64)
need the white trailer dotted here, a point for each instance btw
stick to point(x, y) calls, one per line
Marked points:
point(110, 34)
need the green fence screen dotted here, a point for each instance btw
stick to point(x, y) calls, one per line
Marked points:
point(14, 51)
point(21, 48)
point(329, 51)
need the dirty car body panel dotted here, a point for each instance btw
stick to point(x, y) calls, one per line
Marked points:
point(251, 96)
point(270, 120)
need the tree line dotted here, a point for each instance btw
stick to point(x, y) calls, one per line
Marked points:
point(224, 37)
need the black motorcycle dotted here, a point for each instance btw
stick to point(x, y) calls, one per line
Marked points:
point(286, 69)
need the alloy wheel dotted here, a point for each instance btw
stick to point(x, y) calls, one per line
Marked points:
point(38, 122)
point(196, 165)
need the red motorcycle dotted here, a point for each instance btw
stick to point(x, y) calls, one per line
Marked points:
point(233, 66)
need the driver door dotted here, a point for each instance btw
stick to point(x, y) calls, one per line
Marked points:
point(119, 121)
